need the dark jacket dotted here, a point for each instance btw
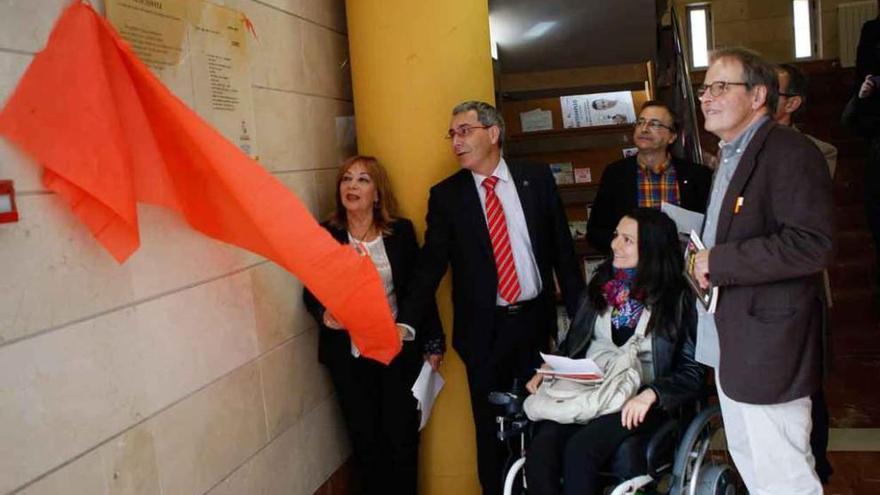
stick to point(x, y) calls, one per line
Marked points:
point(457, 237)
point(402, 249)
point(678, 378)
point(768, 257)
point(618, 195)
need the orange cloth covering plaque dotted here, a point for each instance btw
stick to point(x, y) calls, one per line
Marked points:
point(110, 134)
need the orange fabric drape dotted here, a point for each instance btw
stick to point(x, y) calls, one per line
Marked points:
point(110, 134)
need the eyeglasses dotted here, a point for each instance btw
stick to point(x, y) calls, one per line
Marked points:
point(654, 125)
point(717, 88)
point(464, 131)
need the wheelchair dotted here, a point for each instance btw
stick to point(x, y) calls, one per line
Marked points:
point(685, 456)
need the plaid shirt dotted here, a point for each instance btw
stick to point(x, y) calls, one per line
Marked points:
point(658, 188)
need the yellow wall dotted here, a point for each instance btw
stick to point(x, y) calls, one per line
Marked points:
point(412, 61)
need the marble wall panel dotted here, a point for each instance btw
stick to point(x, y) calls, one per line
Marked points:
point(318, 139)
point(298, 461)
point(71, 389)
point(203, 438)
point(83, 476)
point(54, 271)
point(325, 53)
point(294, 382)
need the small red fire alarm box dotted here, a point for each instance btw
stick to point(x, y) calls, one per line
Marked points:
point(8, 212)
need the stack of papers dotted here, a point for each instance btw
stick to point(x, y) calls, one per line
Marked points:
point(572, 369)
point(426, 389)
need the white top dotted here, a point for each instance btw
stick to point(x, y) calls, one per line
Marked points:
point(602, 331)
point(517, 230)
point(375, 249)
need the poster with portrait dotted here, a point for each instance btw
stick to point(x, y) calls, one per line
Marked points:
point(614, 108)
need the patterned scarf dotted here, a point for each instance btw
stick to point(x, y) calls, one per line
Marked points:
point(626, 308)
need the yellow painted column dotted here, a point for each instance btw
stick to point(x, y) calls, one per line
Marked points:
point(412, 61)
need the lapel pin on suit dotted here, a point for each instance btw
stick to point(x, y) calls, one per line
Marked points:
point(525, 183)
point(739, 204)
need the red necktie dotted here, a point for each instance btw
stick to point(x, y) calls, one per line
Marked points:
point(508, 283)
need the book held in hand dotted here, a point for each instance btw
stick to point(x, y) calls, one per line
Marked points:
point(707, 297)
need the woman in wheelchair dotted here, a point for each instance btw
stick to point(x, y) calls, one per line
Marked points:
point(642, 281)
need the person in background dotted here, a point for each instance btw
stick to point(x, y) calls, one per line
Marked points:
point(767, 234)
point(641, 284)
point(863, 114)
point(792, 98)
point(376, 400)
point(499, 224)
point(651, 177)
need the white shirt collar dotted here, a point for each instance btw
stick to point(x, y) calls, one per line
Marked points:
point(501, 171)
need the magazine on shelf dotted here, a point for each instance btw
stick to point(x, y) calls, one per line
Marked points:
point(707, 297)
point(562, 172)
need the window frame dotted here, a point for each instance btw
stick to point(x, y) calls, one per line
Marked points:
point(710, 34)
point(814, 24)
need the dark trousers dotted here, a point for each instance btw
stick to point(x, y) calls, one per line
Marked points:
point(819, 435)
point(382, 420)
point(576, 453)
point(872, 208)
point(517, 339)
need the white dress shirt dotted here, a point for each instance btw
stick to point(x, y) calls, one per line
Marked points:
point(517, 229)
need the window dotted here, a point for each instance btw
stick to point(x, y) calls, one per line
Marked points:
point(803, 29)
point(700, 34)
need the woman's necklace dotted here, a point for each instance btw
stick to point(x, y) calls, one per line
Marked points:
point(360, 243)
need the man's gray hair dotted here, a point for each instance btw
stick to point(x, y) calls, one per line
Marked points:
point(486, 114)
point(756, 72)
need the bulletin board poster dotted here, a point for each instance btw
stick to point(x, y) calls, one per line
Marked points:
point(200, 52)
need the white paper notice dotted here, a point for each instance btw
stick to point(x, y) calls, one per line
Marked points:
point(564, 365)
point(426, 389)
point(536, 120)
point(685, 220)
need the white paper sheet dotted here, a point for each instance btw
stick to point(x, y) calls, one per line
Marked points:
point(685, 220)
point(426, 389)
point(565, 365)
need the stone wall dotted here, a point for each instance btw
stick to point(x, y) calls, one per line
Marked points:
point(191, 368)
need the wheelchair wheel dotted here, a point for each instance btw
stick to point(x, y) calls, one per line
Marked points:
point(514, 480)
point(703, 465)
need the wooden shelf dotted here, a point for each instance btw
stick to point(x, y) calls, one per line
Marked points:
point(583, 248)
point(609, 136)
point(577, 194)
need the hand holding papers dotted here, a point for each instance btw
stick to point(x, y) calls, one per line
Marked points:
point(571, 369)
point(426, 389)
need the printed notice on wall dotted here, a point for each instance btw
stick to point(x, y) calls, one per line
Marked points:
point(198, 50)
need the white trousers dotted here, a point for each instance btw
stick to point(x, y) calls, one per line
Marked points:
point(770, 445)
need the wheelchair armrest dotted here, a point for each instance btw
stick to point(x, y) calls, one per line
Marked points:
point(661, 448)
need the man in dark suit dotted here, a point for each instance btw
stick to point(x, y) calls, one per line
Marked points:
point(500, 225)
point(647, 179)
point(768, 236)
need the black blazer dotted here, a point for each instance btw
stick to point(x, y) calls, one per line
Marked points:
point(402, 249)
point(457, 236)
point(618, 195)
point(678, 378)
